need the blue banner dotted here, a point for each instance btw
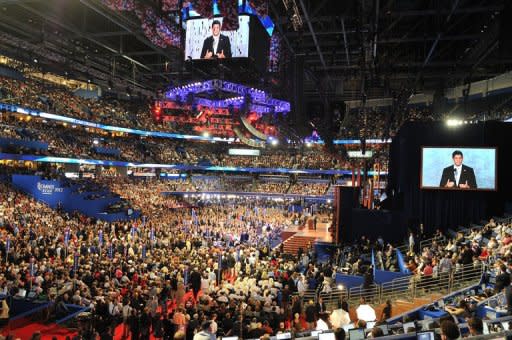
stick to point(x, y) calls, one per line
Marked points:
point(32, 145)
point(373, 263)
point(110, 251)
point(107, 151)
point(66, 236)
point(401, 262)
point(55, 193)
point(152, 235)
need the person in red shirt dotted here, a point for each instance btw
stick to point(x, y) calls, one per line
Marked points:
point(428, 270)
point(484, 254)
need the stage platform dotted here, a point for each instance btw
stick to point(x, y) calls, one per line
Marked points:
point(296, 237)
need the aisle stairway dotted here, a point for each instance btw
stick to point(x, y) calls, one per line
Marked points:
point(285, 235)
point(292, 245)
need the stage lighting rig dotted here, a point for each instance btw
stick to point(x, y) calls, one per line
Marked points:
point(294, 14)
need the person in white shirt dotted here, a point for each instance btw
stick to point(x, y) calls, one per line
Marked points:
point(321, 323)
point(301, 286)
point(213, 325)
point(365, 311)
point(205, 333)
point(339, 318)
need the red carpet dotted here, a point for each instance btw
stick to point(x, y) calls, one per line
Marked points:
point(47, 331)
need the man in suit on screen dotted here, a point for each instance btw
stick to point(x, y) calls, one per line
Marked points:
point(458, 175)
point(217, 45)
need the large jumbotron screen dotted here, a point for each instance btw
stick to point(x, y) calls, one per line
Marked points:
point(199, 42)
point(458, 168)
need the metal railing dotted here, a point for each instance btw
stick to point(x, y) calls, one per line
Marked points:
point(406, 288)
point(310, 294)
point(333, 298)
point(371, 294)
point(428, 242)
point(398, 288)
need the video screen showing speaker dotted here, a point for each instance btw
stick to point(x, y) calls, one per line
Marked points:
point(205, 39)
point(458, 168)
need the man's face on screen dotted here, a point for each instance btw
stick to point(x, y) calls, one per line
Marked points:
point(216, 30)
point(457, 160)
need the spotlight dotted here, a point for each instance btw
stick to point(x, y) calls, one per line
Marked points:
point(274, 142)
point(35, 60)
point(308, 144)
point(206, 134)
point(453, 122)
point(340, 287)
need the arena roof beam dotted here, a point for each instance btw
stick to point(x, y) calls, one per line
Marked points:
point(110, 34)
point(280, 28)
point(16, 2)
point(141, 53)
point(439, 34)
point(317, 45)
point(114, 20)
point(345, 41)
point(318, 8)
point(431, 38)
point(431, 12)
point(81, 34)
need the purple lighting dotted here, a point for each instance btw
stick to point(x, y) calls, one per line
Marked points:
point(260, 101)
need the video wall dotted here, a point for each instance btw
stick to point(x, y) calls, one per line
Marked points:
point(458, 168)
point(205, 40)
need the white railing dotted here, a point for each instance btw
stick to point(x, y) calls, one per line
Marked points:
point(414, 286)
point(333, 298)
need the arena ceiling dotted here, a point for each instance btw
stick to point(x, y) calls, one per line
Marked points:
point(350, 48)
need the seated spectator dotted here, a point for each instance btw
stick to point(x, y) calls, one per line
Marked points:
point(476, 326)
point(449, 330)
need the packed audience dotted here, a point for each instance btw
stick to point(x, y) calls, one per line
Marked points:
point(381, 122)
point(189, 263)
point(183, 246)
point(74, 141)
point(52, 98)
point(313, 189)
point(197, 267)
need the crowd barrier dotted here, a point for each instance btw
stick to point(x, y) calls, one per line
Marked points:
point(407, 287)
point(24, 311)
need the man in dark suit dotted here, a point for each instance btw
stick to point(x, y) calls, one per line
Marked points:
point(502, 279)
point(458, 175)
point(195, 282)
point(216, 46)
